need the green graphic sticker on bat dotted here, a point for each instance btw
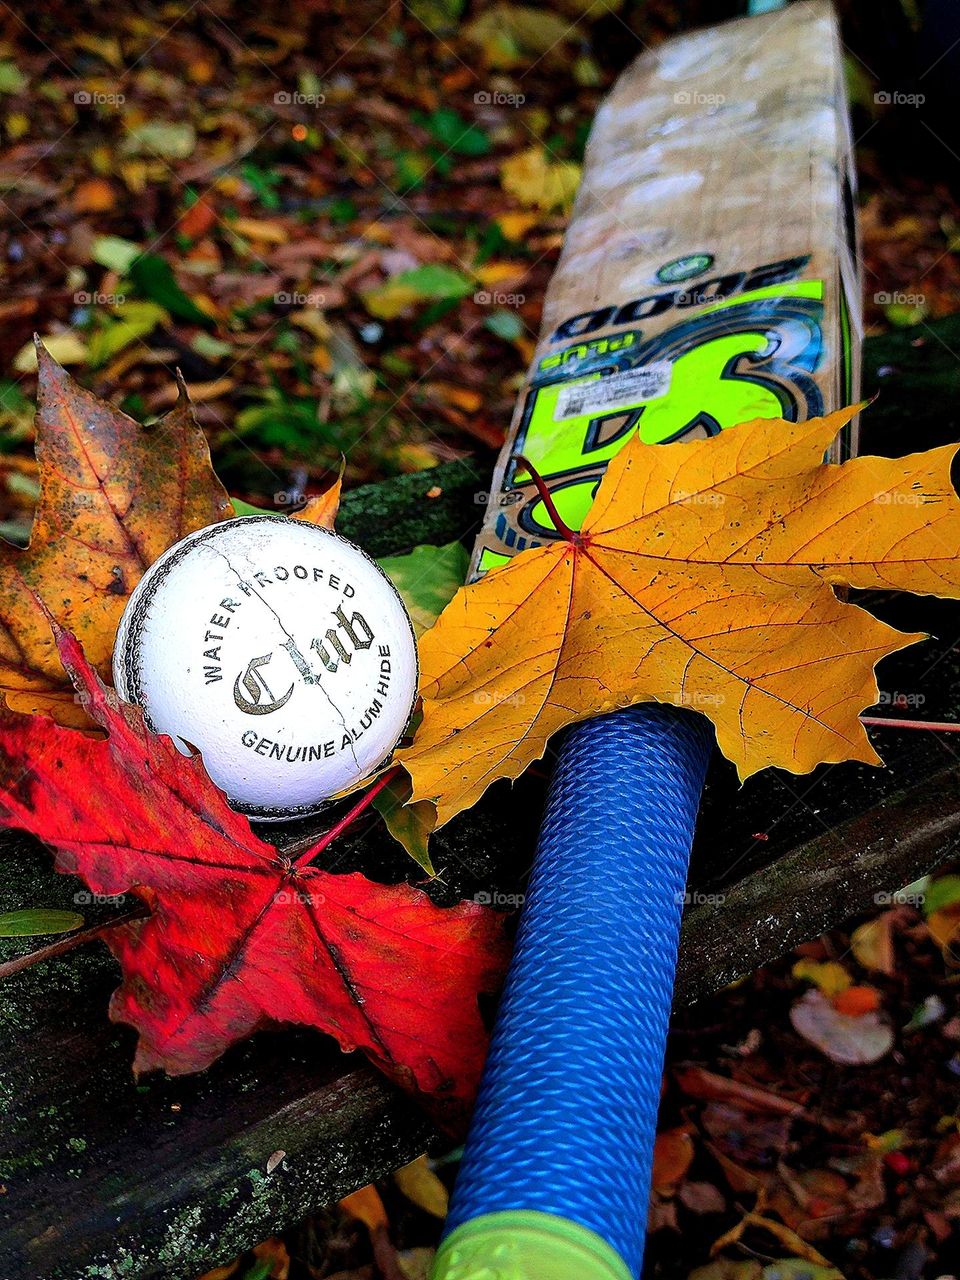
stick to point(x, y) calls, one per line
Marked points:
point(744, 358)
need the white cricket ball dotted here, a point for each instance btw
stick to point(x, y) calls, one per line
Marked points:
point(279, 650)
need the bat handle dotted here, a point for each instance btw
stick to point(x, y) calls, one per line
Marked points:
point(555, 1179)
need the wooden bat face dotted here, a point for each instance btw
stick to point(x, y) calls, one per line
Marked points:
point(709, 274)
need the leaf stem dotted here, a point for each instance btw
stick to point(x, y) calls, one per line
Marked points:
point(546, 497)
point(64, 945)
point(892, 722)
point(348, 818)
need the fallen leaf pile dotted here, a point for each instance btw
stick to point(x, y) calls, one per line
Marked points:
point(239, 936)
point(258, 198)
point(704, 575)
point(826, 1122)
point(239, 229)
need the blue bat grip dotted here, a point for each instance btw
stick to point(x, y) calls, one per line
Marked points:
point(566, 1118)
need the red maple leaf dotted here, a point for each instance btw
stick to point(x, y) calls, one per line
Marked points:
point(240, 936)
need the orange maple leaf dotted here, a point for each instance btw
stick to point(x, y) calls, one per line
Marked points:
point(703, 576)
point(323, 508)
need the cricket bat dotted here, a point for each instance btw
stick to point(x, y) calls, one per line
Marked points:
point(709, 276)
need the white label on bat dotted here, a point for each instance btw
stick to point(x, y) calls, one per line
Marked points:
point(615, 391)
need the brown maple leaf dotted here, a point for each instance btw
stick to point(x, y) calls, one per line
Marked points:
point(114, 495)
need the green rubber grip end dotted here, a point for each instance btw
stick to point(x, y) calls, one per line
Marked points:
point(526, 1245)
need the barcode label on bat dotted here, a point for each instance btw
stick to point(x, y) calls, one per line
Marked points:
point(615, 391)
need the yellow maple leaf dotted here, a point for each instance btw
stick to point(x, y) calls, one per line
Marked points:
point(510, 35)
point(703, 576)
point(515, 224)
point(423, 1188)
point(536, 181)
point(498, 273)
point(827, 976)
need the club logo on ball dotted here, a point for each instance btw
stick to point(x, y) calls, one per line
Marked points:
point(256, 686)
point(255, 683)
